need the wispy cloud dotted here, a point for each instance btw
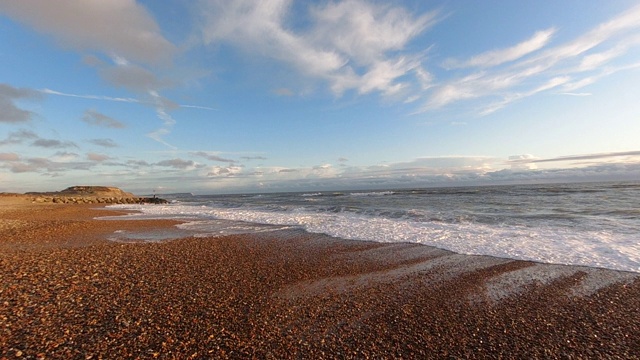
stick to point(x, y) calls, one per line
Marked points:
point(118, 99)
point(500, 56)
point(212, 156)
point(550, 84)
point(599, 156)
point(162, 107)
point(576, 94)
point(18, 137)
point(532, 67)
point(249, 158)
point(352, 44)
point(91, 97)
point(53, 144)
point(108, 143)
point(162, 110)
point(197, 107)
point(93, 117)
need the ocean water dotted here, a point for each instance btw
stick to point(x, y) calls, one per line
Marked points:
point(593, 224)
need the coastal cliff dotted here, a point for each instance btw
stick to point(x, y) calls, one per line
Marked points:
point(91, 195)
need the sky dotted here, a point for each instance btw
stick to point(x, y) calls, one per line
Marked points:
point(243, 96)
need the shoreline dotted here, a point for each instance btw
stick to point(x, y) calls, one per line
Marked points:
point(67, 291)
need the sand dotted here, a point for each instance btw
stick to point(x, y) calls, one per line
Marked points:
point(67, 292)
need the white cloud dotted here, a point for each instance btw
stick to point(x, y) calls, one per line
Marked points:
point(572, 65)
point(259, 27)
point(118, 27)
point(365, 32)
point(497, 57)
point(522, 162)
point(352, 44)
point(382, 76)
point(550, 84)
point(216, 171)
point(596, 60)
point(427, 171)
point(472, 86)
point(602, 33)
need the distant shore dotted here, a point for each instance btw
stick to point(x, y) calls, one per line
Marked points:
point(68, 292)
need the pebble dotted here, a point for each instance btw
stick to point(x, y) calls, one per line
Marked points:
point(67, 293)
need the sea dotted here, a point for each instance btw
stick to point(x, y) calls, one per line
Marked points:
point(590, 224)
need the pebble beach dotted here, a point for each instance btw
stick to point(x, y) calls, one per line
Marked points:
point(69, 293)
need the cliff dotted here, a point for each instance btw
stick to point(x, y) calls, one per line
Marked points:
point(92, 195)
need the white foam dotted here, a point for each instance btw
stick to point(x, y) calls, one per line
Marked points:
point(543, 244)
point(373, 193)
point(514, 282)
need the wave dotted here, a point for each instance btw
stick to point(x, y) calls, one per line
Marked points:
point(373, 193)
point(543, 243)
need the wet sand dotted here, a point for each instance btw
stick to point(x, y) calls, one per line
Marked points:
point(66, 292)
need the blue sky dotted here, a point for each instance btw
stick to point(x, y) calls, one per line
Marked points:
point(257, 96)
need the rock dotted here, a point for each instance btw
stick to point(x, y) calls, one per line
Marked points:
point(152, 200)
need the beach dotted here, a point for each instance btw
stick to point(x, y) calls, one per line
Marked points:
point(69, 292)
